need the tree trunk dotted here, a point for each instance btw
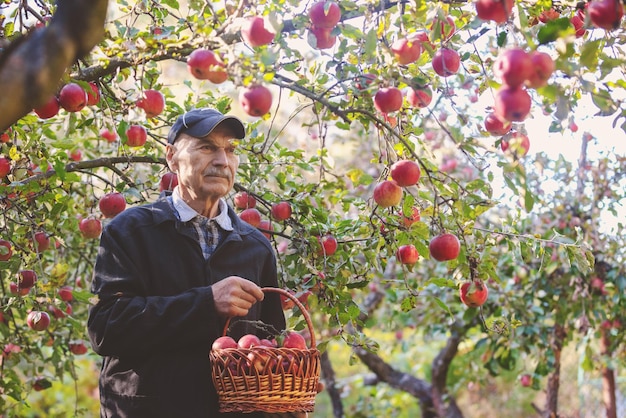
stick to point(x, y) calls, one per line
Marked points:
point(328, 374)
point(441, 364)
point(32, 66)
point(552, 391)
point(608, 377)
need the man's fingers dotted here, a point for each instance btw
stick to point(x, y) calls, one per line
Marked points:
point(252, 289)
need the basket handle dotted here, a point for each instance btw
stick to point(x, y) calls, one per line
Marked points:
point(305, 313)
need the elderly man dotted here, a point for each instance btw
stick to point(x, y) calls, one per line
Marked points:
point(168, 275)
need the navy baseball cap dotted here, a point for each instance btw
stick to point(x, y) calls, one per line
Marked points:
point(201, 122)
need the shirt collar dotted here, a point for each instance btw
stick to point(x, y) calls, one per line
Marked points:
point(187, 213)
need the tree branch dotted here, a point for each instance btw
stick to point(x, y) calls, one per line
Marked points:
point(31, 68)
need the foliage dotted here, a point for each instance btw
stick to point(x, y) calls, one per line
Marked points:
point(323, 148)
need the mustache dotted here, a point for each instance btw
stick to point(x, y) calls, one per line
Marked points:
point(217, 173)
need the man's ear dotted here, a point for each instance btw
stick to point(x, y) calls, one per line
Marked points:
point(169, 157)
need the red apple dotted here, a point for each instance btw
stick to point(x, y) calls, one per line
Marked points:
point(387, 193)
point(388, 99)
point(260, 359)
point(266, 226)
point(255, 32)
point(422, 37)
point(256, 100)
point(496, 126)
point(41, 383)
point(16, 290)
point(58, 313)
point(249, 341)
point(77, 347)
point(111, 204)
point(597, 285)
point(152, 102)
point(224, 342)
point(512, 104)
point(321, 38)
point(407, 254)
point(294, 340)
point(325, 14)
point(327, 245)
point(281, 211)
point(5, 167)
point(76, 155)
point(606, 14)
point(517, 143)
point(42, 241)
point(72, 97)
point(415, 216)
point(473, 293)
point(251, 216)
point(579, 25)
point(65, 293)
point(108, 134)
point(93, 94)
point(38, 320)
point(265, 342)
point(548, 15)
point(6, 250)
point(498, 11)
point(513, 67)
point(204, 64)
point(444, 247)
point(48, 109)
point(419, 97)
point(543, 67)
point(405, 173)
point(168, 181)
point(406, 50)
point(136, 136)
point(90, 227)
point(5, 136)
point(446, 62)
point(244, 200)
point(26, 279)
point(525, 380)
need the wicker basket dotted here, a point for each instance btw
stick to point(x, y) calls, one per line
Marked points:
point(267, 379)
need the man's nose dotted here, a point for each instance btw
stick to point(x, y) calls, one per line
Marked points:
point(220, 157)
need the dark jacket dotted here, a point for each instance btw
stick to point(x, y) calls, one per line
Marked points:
point(155, 319)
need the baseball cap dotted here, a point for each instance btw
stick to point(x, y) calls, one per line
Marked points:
point(201, 122)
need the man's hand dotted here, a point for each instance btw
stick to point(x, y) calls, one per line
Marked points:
point(234, 295)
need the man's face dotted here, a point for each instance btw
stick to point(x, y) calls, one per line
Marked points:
point(206, 166)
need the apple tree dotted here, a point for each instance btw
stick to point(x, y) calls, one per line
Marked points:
point(387, 159)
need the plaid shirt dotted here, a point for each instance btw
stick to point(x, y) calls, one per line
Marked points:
point(207, 231)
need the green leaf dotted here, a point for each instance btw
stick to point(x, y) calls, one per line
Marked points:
point(408, 303)
point(602, 99)
point(529, 200)
point(589, 52)
point(443, 306)
point(579, 258)
point(502, 38)
point(171, 3)
point(554, 29)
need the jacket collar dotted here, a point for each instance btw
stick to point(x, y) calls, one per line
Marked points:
point(187, 213)
point(162, 211)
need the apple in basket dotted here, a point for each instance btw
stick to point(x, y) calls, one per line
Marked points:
point(249, 341)
point(261, 359)
point(294, 340)
point(224, 342)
